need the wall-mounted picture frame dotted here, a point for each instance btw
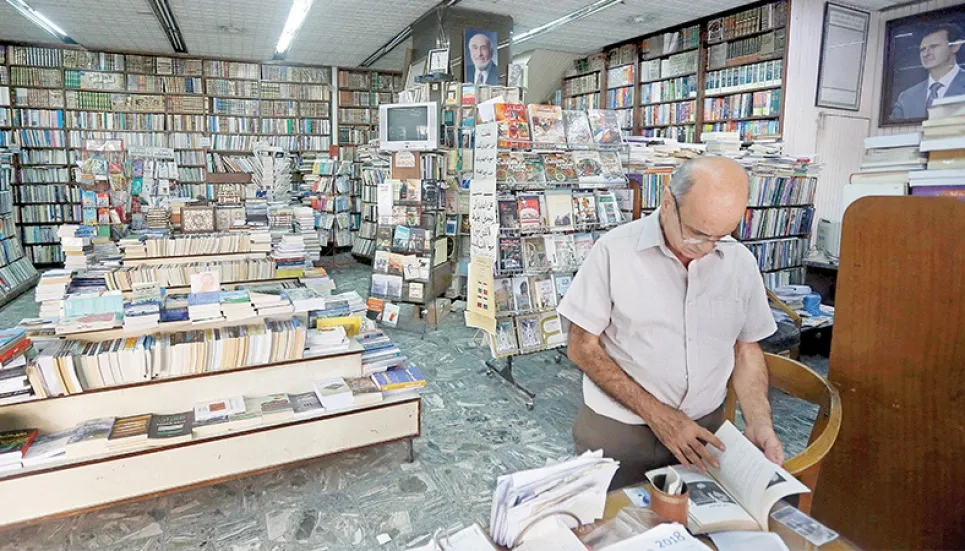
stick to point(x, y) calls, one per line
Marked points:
point(922, 63)
point(438, 61)
point(841, 66)
point(481, 57)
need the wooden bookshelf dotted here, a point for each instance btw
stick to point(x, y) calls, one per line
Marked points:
point(762, 25)
point(584, 86)
point(359, 94)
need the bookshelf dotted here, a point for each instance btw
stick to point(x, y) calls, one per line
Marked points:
point(374, 171)
point(77, 485)
point(583, 86)
point(721, 73)
point(360, 92)
point(58, 98)
point(17, 272)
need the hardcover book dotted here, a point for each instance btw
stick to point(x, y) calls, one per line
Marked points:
point(559, 167)
point(605, 126)
point(507, 207)
point(512, 126)
point(510, 255)
point(546, 125)
point(129, 430)
point(578, 132)
point(529, 211)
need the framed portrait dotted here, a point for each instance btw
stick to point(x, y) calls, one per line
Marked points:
point(843, 45)
point(480, 57)
point(922, 61)
point(438, 61)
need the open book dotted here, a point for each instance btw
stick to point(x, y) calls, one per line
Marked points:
point(739, 495)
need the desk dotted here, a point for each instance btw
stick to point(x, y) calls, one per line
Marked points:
point(617, 500)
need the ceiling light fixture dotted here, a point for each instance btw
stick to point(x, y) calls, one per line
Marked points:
point(585, 11)
point(165, 17)
point(296, 17)
point(41, 21)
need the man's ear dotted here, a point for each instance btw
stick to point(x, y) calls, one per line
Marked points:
point(954, 46)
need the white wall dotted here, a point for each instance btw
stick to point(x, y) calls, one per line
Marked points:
point(876, 59)
point(835, 135)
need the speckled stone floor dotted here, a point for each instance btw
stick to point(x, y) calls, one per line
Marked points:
point(474, 429)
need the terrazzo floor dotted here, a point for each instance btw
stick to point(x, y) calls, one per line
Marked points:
point(474, 428)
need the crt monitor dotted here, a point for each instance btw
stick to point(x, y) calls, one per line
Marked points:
point(413, 126)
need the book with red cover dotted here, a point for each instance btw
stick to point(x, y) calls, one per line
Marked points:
point(512, 126)
point(14, 444)
point(16, 350)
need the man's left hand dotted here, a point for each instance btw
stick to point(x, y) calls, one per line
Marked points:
point(763, 437)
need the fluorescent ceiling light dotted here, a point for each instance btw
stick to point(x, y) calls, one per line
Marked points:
point(165, 18)
point(296, 17)
point(40, 20)
point(585, 11)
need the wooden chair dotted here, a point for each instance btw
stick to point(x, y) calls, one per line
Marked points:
point(787, 338)
point(802, 382)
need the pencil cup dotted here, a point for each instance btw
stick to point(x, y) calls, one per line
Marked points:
point(672, 508)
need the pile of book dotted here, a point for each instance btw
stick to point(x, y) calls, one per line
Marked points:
point(50, 293)
point(75, 241)
point(179, 274)
point(380, 353)
point(256, 214)
point(270, 304)
point(304, 299)
point(943, 138)
point(326, 340)
point(140, 315)
point(236, 305)
point(289, 256)
point(14, 445)
point(886, 167)
point(204, 307)
point(71, 367)
point(14, 384)
point(305, 226)
point(152, 246)
point(317, 278)
point(725, 144)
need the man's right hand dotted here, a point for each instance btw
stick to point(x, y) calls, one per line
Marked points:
point(684, 438)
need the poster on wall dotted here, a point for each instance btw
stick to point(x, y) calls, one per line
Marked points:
point(921, 64)
point(842, 57)
point(481, 58)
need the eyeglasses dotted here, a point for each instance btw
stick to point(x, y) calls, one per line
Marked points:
point(695, 241)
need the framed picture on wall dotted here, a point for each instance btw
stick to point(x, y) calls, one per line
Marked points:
point(843, 44)
point(921, 64)
point(481, 57)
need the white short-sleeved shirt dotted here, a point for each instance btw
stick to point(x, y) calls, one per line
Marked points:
point(671, 328)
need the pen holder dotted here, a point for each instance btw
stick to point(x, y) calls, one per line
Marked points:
point(672, 508)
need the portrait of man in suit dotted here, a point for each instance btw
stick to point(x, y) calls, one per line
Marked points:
point(480, 58)
point(922, 64)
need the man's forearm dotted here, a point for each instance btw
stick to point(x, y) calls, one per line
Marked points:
point(751, 382)
point(585, 351)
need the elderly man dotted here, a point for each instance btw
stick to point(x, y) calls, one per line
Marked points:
point(662, 314)
point(483, 69)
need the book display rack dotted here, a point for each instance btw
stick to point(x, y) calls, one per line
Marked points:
point(375, 167)
point(410, 264)
point(721, 73)
point(360, 92)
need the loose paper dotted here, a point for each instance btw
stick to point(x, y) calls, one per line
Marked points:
point(739, 540)
point(404, 159)
point(384, 202)
point(480, 287)
point(485, 226)
point(484, 160)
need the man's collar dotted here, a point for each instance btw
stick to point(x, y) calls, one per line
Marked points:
point(947, 79)
point(651, 235)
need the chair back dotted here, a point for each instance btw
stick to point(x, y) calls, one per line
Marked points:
point(800, 381)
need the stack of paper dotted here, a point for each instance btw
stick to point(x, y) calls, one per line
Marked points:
point(577, 486)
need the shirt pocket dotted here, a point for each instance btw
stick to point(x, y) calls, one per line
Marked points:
point(723, 320)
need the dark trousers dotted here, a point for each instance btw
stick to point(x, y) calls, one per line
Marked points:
point(636, 447)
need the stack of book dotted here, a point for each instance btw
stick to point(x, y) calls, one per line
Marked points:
point(304, 299)
point(325, 341)
point(13, 445)
point(886, 167)
point(75, 241)
point(400, 380)
point(271, 304)
point(204, 307)
point(305, 226)
point(726, 144)
point(943, 138)
point(261, 240)
point(14, 384)
point(289, 255)
point(50, 293)
point(141, 315)
point(380, 353)
point(317, 278)
point(236, 305)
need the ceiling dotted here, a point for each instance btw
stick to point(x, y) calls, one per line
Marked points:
point(338, 32)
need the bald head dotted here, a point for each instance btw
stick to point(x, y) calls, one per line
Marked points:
point(711, 193)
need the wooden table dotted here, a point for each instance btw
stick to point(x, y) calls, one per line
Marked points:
point(617, 500)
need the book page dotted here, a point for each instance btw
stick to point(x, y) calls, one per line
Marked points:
point(709, 503)
point(751, 478)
